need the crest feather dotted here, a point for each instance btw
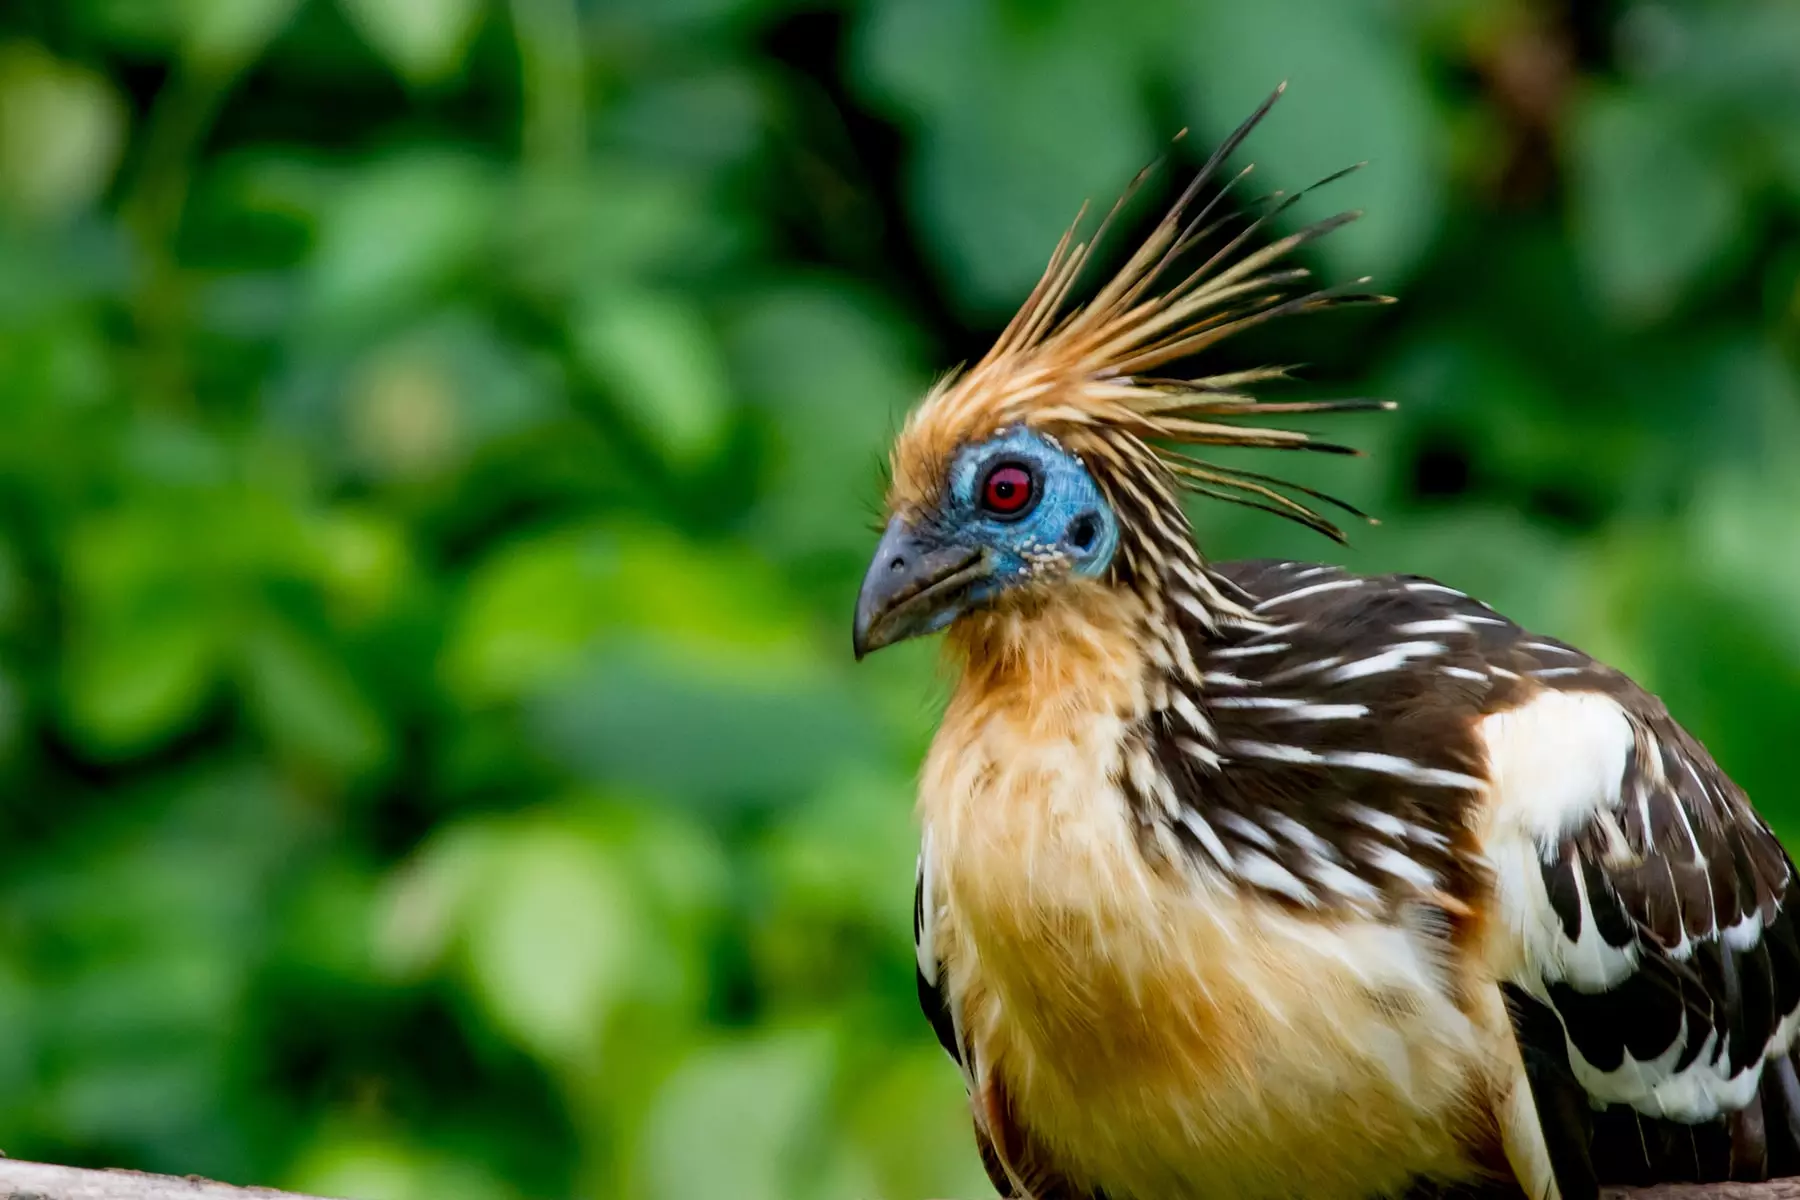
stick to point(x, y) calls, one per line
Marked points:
point(1089, 374)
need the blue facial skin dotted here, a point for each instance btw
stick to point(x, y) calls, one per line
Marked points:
point(962, 554)
point(1067, 528)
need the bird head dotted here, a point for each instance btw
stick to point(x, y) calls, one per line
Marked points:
point(1062, 454)
point(1015, 509)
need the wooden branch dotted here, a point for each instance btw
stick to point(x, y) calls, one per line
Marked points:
point(1775, 1189)
point(38, 1181)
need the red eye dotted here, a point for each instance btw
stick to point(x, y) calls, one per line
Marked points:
point(1007, 491)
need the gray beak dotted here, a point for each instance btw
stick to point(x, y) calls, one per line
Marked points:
point(913, 587)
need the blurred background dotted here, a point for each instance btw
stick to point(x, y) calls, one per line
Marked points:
point(438, 447)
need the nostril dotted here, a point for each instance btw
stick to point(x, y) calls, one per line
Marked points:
point(899, 564)
point(1082, 530)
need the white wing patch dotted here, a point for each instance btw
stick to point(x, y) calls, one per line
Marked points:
point(1643, 1025)
point(1555, 761)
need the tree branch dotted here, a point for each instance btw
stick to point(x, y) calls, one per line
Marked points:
point(38, 1181)
point(1775, 1189)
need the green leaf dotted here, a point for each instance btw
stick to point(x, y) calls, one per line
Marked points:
point(529, 611)
point(552, 944)
point(755, 1106)
point(424, 40)
point(307, 704)
point(1357, 94)
point(612, 222)
point(401, 230)
point(353, 1156)
point(127, 685)
point(827, 368)
point(425, 903)
point(363, 560)
point(829, 866)
point(1022, 121)
point(404, 414)
point(1656, 209)
point(61, 132)
point(224, 35)
point(1711, 653)
point(633, 713)
point(910, 1114)
point(532, 609)
point(660, 364)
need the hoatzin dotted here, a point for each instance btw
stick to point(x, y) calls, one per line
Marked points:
point(1264, 879)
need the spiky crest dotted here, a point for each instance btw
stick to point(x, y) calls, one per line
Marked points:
point(1088, 376)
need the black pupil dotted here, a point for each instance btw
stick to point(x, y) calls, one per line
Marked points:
point(1008, 489)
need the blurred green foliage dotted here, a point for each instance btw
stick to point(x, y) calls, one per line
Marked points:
point(438, 440)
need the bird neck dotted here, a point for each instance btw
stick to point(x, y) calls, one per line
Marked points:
point(1125, 644)
point(1055, 655)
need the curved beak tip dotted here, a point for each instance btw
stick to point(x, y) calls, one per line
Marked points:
point(913, 587)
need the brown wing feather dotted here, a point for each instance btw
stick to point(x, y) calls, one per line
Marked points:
point(1664, 1002)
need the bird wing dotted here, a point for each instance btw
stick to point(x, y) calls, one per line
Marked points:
point(1656, 988)
point(1641, 919)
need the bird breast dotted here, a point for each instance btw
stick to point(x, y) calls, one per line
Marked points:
point(1157, 1032)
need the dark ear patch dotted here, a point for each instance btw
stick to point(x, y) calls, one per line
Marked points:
point(1083, 530)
